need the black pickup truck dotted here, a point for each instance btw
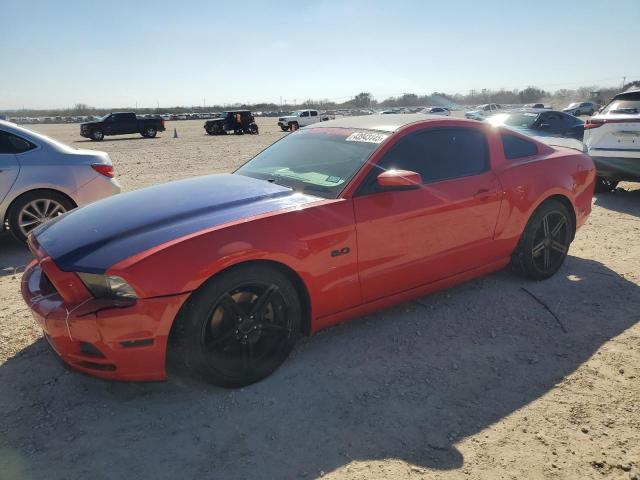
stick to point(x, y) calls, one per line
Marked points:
point(121, 123)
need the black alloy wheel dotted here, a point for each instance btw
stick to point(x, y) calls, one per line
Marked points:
point(551, 242)
point(239, 328)
point(545, 242)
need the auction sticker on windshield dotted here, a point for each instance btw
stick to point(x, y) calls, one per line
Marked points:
point(367, 137)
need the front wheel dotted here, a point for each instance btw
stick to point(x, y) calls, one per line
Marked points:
point(284, 128)
point(544, 244)
point(238, 327)
point(605, 185)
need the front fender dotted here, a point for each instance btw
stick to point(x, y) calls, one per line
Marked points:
point(301, 239)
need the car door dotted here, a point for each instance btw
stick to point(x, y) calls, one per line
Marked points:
point(304, 118)
point(408, 238)
point(9, 166)
point(314, 116)
point(126, 123)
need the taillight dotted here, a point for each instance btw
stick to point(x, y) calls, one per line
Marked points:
point(591, 124)
point(162, 122)
point(103, 169)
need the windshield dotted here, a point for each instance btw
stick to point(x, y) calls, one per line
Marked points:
point(318, 161)
point(623, 106)
point(516, 120)
point(573, 105)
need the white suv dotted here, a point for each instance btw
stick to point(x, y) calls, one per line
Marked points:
point(612, 138)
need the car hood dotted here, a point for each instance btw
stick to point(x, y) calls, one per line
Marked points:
point(93, 238)
point(93, 122)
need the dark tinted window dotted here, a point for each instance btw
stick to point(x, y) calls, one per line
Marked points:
point(516, 147)
point(554, 121)
point(314, 113)
point(440, 154)
point(124, 117)
point(10, 143)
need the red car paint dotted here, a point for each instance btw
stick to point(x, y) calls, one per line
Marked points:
point(401, 244)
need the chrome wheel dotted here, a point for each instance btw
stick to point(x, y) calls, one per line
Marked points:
point(37, 212)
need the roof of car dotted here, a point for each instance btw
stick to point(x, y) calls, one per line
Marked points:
point(385, 123)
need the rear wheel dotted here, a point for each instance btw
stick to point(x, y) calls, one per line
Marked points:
point(149, 132)
point(35, 208)
point(239, 327)
point(97, 135)
point(605, 185)
point(545, 241)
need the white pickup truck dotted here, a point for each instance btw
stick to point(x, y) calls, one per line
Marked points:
point(301, 118)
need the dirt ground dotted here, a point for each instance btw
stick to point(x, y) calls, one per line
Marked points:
point(478, 382)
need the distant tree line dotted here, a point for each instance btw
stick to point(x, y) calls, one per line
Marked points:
point(363, 100)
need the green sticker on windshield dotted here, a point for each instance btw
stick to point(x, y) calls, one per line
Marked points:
point(333, 179)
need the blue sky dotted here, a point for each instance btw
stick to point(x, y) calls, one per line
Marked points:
point(117, 53)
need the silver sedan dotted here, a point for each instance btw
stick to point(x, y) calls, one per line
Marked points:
point(41, 178)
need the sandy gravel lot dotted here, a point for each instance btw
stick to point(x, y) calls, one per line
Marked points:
point(477, 382)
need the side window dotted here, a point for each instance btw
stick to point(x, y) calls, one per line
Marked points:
point(314, 113)
point(553, 120)
point(516, 147)
point(440, 154)
point(10, 143)
point(304, 114)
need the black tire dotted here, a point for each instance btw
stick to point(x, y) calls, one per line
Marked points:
point(226, 322)
point(97, 135)
point(545, 242)
point(285, 128)
point(253, 129)
point(149, 132)
point(43, 199)
point(605, 185)
point(293, 126)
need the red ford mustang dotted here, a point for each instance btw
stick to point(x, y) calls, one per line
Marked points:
point(329, 223)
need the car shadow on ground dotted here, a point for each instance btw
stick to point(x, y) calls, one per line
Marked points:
point(408, 383)
point(622, 200)
point(14, 256)
point(119, 139)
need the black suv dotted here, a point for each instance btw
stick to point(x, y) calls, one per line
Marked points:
point(236, 121)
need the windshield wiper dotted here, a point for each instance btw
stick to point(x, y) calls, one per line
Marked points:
point(315, 188)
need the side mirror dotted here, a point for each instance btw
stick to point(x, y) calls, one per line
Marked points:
point(399, 180)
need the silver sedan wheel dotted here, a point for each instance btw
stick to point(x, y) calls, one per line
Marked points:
point(37, 212)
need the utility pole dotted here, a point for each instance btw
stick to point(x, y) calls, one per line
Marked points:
point(623, 80)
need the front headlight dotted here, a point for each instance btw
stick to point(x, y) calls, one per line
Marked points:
point(107, 286)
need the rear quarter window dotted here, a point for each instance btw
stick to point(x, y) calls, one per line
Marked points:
point(516, 147)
